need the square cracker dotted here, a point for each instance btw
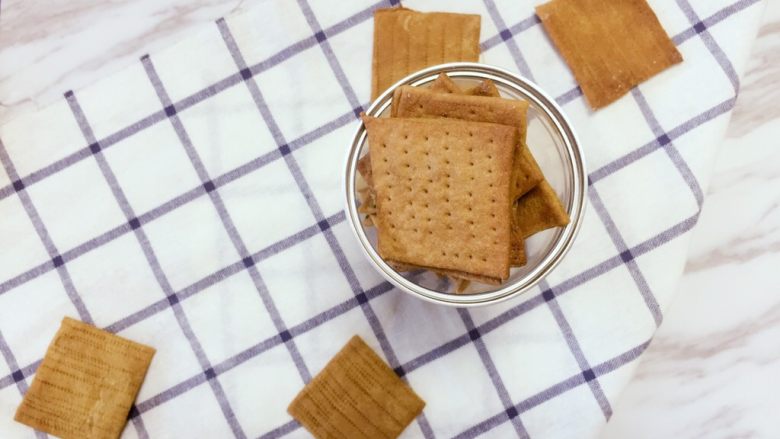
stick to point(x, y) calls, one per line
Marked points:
point(411, 101)
point(356, 396)
point(443, 193)
point(611, 46)
point(406, 41)
point(86, 383)
point(443, 84)
point(540, 209)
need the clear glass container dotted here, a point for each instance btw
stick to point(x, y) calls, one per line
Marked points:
point(555, 147)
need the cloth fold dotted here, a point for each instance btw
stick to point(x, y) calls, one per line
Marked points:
point(192, 202)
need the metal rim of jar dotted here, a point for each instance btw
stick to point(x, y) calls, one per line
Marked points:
point(578, 183)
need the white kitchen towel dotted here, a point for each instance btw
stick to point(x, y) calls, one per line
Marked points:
point(192, 202)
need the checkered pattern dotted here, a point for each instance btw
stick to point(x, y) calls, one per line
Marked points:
point(192, 202)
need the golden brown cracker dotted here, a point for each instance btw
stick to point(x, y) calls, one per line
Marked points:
point(484, 88)
point(443, 193)
point(364, 168)
point(406, 41)
point(610, 46)
point(416, 102)
point(527, 171)
point(527, 175)
point(517, 256)
point(443, 84)
point(411, 101)
point(540, 209)
point(356, 396)
point(86, 384)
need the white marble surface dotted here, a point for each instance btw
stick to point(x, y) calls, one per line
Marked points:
point(713, 369)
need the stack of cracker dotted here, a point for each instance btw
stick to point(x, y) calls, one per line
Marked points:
point(451, 185)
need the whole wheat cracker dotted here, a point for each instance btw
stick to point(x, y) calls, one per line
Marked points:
point(406, 41)
point(540, 209)
point(610, 46)
point(484, 88)
point(356, 396)
point(86, 384)
point(443, 194)
point(443, 84)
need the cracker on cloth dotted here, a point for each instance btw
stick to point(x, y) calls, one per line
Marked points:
point(356, 396)
point(443, 193)
point(406, 41)
point(411, 101)
point(86, 384)
point(443, 84)
point(484, 88)
point(538, 210)
point(611, 46)
point(417, 102)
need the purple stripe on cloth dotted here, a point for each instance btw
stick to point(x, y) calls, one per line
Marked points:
point(138, 424)
point(154, 264)
point(564, 287)
point(314, 206)
point(668, 146)
point(43, 234)
point(178, 201)
point(13, 366)
point(490, 367)
point(518, 28)
point(263, 346)
point(655, 242)
point(333, 61)
point(16, 374)
point(574, 346)
point(626, 256)
point(506, 36)
point(714, 19)
point(676, 132)
point(710, 43)
point(25, 372)
point(555, 390)
point(288, 52)
point(225, 218)
point(569, 96)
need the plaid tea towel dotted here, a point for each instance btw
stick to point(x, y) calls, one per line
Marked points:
point(192, 202)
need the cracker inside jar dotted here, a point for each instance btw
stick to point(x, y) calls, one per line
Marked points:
point(451, 186)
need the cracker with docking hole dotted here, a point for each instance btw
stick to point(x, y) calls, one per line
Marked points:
point(423, 103)
point(443, 193)
point(86, 384)
point(356, 396)
point(417, 102)
point(610, 46)
point(406, 41)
